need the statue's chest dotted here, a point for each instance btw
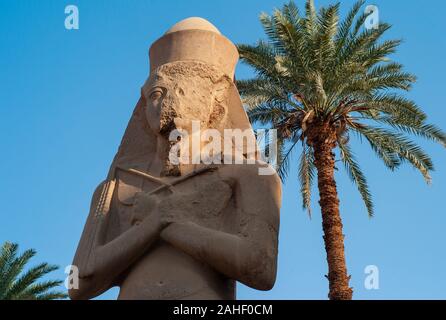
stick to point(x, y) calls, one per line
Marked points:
point(202, 198)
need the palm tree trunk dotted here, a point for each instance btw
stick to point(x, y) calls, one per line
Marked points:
point(331, 221)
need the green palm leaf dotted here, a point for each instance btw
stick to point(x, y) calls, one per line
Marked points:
point(356, 176)
point(319, 80)
point(339, 73)
point(18, 285)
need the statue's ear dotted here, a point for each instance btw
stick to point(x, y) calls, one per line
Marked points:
point(219, 112)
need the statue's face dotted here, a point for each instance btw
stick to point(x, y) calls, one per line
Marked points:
point(181, 92)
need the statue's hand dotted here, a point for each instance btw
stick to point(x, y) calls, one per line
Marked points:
point(173, 209)
point(202, 205)
point(146, 207)
point(162, 211)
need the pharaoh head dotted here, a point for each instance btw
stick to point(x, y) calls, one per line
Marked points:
point(178, 93)
point(191, 80)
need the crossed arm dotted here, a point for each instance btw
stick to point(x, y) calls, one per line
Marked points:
point(250, 257)
point(100, 262)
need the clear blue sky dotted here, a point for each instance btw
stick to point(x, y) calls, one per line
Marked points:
point(66, 97)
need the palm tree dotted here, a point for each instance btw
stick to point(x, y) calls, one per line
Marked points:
point(318, 81)
point(15, 285)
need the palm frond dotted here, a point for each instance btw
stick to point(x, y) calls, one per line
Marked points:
point(328, 20)
point(18, 285)
point(356, 176)
point(22, 283)
point(267, 113)
point(284, 154)
point(398, 144)
point(14, 267)
point(427, 131)
point(306, 176)
point(346, 25)
point(262, 57)
point(319, 69)
point(42, 291)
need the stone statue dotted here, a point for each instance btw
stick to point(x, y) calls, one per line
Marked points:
point(163, 230)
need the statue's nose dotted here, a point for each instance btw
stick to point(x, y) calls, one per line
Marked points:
point(167, 120)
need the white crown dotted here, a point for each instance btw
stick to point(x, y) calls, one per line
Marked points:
point(194, 39)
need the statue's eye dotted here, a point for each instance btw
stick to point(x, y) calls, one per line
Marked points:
point(156, 94)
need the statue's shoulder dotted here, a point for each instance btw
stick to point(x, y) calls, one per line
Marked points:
point(99, 191)
point(127, 186)
point(260, 190)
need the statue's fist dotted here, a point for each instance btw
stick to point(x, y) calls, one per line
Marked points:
point(144, 207)
point(173, 209)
